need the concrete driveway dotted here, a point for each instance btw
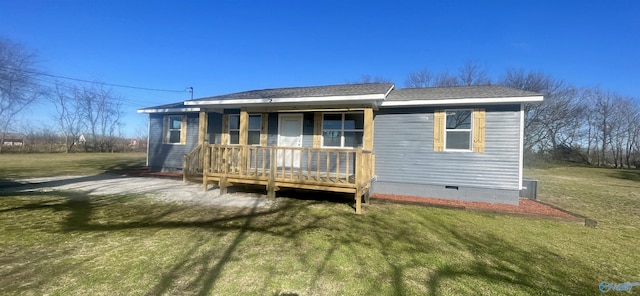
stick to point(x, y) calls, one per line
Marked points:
point(169, 190)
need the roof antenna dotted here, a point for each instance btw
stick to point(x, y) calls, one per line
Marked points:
point(190, 89)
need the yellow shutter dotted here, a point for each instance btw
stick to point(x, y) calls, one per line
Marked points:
point(224, 138)
point(438, 130)
point(183, 130)
point(478, 130)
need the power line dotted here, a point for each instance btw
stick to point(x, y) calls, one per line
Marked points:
point(132, 102)
point(102, 83)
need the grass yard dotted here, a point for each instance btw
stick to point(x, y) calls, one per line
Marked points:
point(69, 243)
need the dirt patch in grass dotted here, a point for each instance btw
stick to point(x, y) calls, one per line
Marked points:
point(526, 206)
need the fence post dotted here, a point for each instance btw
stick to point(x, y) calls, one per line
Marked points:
point(271, 187)
point(185, 168)
point(205, 168)
point(358, 179)
point(225, 161)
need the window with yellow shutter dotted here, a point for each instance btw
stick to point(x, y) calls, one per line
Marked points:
point(459, 130)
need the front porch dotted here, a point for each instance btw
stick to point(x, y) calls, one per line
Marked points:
point(344, 169)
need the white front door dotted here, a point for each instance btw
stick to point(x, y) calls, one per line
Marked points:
point(289, 135)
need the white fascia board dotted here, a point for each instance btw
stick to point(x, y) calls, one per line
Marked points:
point(465, 101)
point(354, 98)
point(169, 110)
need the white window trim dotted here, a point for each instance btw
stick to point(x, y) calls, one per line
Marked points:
point(238, 129)
point(342, 130)
point(167, 129)
point(470, 130)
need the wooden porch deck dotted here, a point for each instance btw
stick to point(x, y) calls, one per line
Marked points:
point(324, 169)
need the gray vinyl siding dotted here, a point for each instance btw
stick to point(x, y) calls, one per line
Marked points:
point(403, 143)
point(169, 157)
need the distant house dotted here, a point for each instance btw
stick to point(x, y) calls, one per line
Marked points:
point(462, 143)
point(12, 139)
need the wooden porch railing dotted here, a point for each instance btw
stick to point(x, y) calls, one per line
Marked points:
point(192, 163)
point(328, 169)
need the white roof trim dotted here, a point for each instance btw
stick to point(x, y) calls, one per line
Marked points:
point(286, 100)
point(169, 110)
point(465, 101)
point(389, 91)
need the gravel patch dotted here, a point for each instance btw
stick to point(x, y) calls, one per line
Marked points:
point(168, 190)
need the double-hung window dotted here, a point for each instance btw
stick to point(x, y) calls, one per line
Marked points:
point(458, 130)
point(175, 129)
point(255, 125)
point(342, 129)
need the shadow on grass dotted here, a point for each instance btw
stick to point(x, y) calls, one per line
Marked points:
point(626, 174)
point(404, 246)
point(494, 262)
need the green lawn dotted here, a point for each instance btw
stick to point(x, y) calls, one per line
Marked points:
point(69, 243)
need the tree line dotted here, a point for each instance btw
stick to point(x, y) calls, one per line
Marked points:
point(581, 124)
point(86, 116)
point(589, 125)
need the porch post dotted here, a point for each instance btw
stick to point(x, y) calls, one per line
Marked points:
point(264, 130)
point(369, 161)
point(368, 129)
point(203, 127)
point(203, 124)
point(317, 130)
point(244, 126)
point(244, 138)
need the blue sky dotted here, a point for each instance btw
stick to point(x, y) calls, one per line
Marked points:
point(227, 46)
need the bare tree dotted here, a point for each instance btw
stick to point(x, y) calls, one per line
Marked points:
point(471, 73)
point(420, 79)
point(624, 126)
point(553, 123)
point(69, 113)
point(366, 78)
point(444, 79)
point(18, 86)
point(101, 112)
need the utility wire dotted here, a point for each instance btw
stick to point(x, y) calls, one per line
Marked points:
point(88, 81)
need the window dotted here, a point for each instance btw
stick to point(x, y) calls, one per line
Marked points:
point(342, 129)
point(255, 124)
point(458, 130)
point(175, 129)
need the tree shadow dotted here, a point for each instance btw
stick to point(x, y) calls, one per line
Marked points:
point(626, 174)
point(493, 258)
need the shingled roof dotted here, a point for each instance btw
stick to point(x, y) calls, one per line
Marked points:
point(307, 91)
point(381, 94)
point(173, 107)
point(457, 92)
